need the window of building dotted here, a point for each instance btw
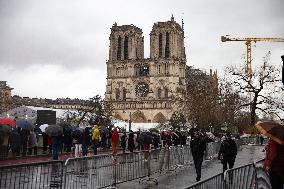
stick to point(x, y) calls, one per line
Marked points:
point(166, 93)
point(167, 49)
point(126, 48)
point(118, 48)
point(144, 70)
point(159, 69)
point(160, 45)
point(142, 89)
point(117, 94)
point(159, 93)
point(124, 94)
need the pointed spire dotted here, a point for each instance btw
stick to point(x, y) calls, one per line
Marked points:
point(172, 18)
point(182, 25)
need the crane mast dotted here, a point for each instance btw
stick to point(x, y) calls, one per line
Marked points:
point(248, 42)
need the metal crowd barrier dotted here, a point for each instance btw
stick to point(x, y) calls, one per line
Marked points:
point(261, 178)
point(35, 175)
point(215, 182)
point(99, 171)
point(253, 140)
point(250, 176)
point(89, 172)
point(212, 150)
point(241, 177)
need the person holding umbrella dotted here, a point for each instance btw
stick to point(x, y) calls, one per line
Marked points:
point(274, 160)
point(55, 132)
point(77, 135)
point(15, 141)
point(32, 143)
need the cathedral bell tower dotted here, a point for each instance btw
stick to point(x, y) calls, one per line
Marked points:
point(167, 40)
point(126, 43)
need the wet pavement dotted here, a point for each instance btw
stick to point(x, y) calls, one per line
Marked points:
point(185, 176)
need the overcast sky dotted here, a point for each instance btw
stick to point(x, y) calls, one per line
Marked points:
point(59, 48)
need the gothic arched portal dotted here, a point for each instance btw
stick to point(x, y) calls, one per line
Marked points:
point(138, 117)
point(159, 118)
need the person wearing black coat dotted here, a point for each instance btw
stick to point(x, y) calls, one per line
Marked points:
point(228, 152)
point(197, 147)
point(67, 139)
point(86, 141)
point(131, 144)
point(24, 136)
point(16, 141)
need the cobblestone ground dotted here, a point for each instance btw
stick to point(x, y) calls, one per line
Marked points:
point(185, 176)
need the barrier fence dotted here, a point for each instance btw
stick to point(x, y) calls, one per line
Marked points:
point(99, 171)
point(35, 175)
point(250, 176)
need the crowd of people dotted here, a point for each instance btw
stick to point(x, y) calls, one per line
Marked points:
point(82, 141)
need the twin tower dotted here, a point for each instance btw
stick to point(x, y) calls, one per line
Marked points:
point(166, 41)
point(146, 89)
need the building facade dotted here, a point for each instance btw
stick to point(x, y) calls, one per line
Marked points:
point(5, 97)
point(146, 89)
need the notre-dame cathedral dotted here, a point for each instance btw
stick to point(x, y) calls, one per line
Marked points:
point(145, 89)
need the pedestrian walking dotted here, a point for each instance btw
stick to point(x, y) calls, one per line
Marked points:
point(96, 138)
point(274, 164)
point(114, 141)
point(131, 144)
point(197, 147)
point(228, 152)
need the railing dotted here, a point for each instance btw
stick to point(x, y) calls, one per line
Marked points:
point(215, 182)
point(98, 171)
point(35, 175)
point(241, 177)
point(250, 176)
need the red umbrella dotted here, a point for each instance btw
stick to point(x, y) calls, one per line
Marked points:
point(272, 130)
point(8, 121)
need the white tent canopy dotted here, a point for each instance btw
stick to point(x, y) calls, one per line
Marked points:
point(135, 126)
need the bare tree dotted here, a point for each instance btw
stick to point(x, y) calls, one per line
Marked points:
point(200, 103)
point(94, 110)
point(262, 92)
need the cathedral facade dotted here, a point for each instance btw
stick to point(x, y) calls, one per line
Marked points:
point(146, 89)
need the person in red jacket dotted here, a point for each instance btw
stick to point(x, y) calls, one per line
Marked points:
point(114, 141)
point(274, 164)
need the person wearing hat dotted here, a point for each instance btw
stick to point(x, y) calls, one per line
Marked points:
point(228, 152)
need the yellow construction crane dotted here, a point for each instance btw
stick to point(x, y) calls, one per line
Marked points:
point(248, 44)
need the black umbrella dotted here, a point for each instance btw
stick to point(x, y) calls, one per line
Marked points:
point(54, 130)
point(65, 125)
point(5, 129)
point(24, 124)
